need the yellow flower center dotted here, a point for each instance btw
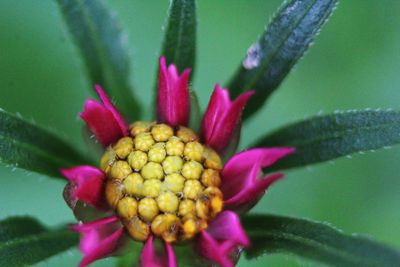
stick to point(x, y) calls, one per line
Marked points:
point(162, 181)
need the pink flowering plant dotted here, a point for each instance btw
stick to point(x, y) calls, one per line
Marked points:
point(174, 191)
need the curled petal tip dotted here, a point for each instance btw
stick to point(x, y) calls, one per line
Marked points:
point(103, 119)
point(173, 101)
point(223, 238)
point(222, 117)
point(99, 239)
point(215, 251)
point(227, 226)
point(86, 185)
point(242, 183)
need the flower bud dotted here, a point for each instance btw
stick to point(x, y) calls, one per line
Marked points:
point(194, 151)
point(147, 209)
point(152, 170)
point(162, 132)
point(172, 164)
point(120, 170)
point(143, 141)
point(174, 146)
point(168, 202)
point(127, 207)
point(137, 160)
point(192, 170)
point(123, 147)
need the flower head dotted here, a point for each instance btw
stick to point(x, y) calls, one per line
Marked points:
point(162, 180)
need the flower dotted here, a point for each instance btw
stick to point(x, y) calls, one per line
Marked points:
point(160, 180)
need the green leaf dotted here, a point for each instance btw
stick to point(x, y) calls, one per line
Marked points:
point(195, 112)
point(179, 46)
point(25, 145)
point(24, 241)
point(103, 46)
point(130, 255)
point(186, 254)
point(316, 241)
point(287, 37)
point(323, 138)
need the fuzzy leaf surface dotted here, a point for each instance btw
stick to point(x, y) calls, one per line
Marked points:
point(179, 46)
point(324, 138)
point(282, 44)
point(103, 46)
point(315, 241)
point(24, 241)
point(26, 145)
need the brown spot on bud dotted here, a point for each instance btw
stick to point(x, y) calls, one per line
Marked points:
point(166, 226)
point(211, 177)
point(213, 161)
point(186, 134)
point(140, 127)
point(114, 192)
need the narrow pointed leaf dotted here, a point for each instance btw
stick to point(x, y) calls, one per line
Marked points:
point(24, 241)
point(316, 241)
point(283, 43)
point(25, 145)
point(323, 138)
point(103, 46)
point(179, 46)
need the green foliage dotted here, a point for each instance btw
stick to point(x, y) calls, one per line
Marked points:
point(316, 241)
point(25, 145)
point(186, 254)
point(195, 112)
point(179, 45)
point(131, 255)
point(285, 40)
point(327, 137)
point(24, 241)
point(104, 49)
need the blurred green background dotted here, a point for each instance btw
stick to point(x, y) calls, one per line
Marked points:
point(354, 64)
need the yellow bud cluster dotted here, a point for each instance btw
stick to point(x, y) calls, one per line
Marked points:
point(161, 180)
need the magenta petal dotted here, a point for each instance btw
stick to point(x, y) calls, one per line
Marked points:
point(222, 238)
point(107, 103)
point(86, 183)
point(171, 255)
point(150, 258)
point(103, 119)
point(241, 183)
point(222, 117)
point(173, 101)
point(99, 239)
point(227, 226)
point(218, 252)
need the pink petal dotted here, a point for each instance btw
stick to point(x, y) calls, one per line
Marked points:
point(222, 117)
point(222, 239)
point(173, 102)
point(107, 103)
point(227, 226)
point(99, 239)
point(171, 255)
point(103, 119)
point(218, 252)
point(150, 258)
point(86, 184)
point(241, 183)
